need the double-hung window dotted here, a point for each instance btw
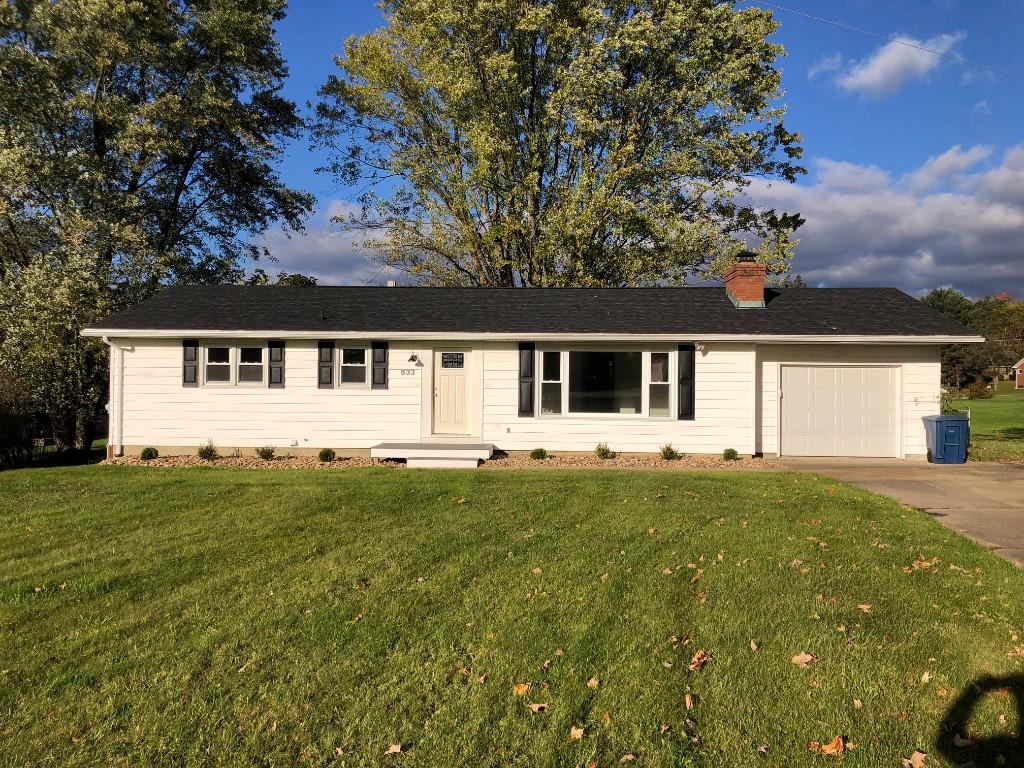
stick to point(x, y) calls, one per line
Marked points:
point(353, 367)
point(218, 365)
point(250, 365)
point(551, 384)
point(659, 389)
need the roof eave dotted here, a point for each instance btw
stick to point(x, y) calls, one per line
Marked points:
point(145, 333)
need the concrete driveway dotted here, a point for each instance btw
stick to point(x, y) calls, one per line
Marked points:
point(984, 501)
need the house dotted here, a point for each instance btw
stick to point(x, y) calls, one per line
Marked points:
point(442, 375)
point(1018, 374)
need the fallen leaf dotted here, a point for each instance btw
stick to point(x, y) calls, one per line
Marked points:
point(763, 749)
point(942, 693)
point(688, 700)
point(629, 757)
point(667, 664)
point(962, 741)
point(592, 682)
point(575, 733)
point(460, 500)
point(546, 665)
point(537, 707)
point(857, 703)
point(916, 760)
point(926, 677)
point(604, 576)
point(699, 660)
point(339, 751)
point(652, 531)
point(753, 645)
point(665, 728)
point(865, 607)
point(803, 660)
point(668, 572)
point(559, 652)
point(521, 689)
point(606, 718)
point(536, 571)
point(393, 749)
point(835, 747)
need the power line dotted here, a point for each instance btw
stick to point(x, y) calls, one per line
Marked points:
point(850, 28)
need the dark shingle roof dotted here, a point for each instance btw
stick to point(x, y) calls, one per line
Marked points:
point(789, 311)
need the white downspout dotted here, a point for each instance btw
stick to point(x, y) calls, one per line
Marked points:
point(115, 404)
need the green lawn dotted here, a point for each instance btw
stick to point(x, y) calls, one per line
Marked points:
point(276, 618)
point(997, 425)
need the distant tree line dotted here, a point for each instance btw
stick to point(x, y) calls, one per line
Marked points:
point(999, 318)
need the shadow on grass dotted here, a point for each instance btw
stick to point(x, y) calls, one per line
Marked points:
point(999, 749)
point(68, 458)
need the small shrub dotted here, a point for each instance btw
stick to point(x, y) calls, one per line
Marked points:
point(979, 390)
point(668, 453)
point(208, 452)
point(326, 455)
point(602, 451)
point(730, 454)
point(266, 452)
point(538, 454)
point(149, 453)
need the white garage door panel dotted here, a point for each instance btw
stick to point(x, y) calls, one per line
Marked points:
point(840, 411)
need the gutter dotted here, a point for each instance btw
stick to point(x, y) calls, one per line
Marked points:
point(137, 333)
point(115, 402)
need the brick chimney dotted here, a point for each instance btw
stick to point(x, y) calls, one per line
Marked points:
point(744, 282)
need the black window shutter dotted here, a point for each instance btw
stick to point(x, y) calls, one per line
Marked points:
point(325, 364)
point(686, 379)
point(189, 363)
point(380, 365)
point(526, 354)
point(275, 370)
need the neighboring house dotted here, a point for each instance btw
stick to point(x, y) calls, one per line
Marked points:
point(1018, 373)
point(446, 373)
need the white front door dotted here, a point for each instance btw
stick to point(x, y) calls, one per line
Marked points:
point(840, 411)
point(451, 391)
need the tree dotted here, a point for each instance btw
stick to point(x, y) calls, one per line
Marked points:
point(569, 142)
point(998, 318)
point(137, 143)
point(951, 303)
point(260, 277)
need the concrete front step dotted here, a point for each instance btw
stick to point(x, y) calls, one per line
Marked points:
point(439, 462)
point(435, 455)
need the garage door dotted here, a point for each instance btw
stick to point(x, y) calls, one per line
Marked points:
point(840, 411)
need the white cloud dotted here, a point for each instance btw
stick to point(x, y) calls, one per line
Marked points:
point(952, 162)
point(894, 64)
point(827, 64)
point(915, 239)
point(324, 252)
point(983, 108)
point(850, 177)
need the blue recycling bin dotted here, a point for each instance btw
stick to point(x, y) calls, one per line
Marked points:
point(948, 436)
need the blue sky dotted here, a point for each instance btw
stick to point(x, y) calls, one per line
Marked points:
point(916, 162)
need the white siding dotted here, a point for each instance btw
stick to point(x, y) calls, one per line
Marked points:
point(724, 384)
point(736, 392)
point(158, 410)
point(920, 383)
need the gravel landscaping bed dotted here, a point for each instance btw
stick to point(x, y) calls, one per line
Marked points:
point(250, 462)
point(637, 461)
point(500, 461)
